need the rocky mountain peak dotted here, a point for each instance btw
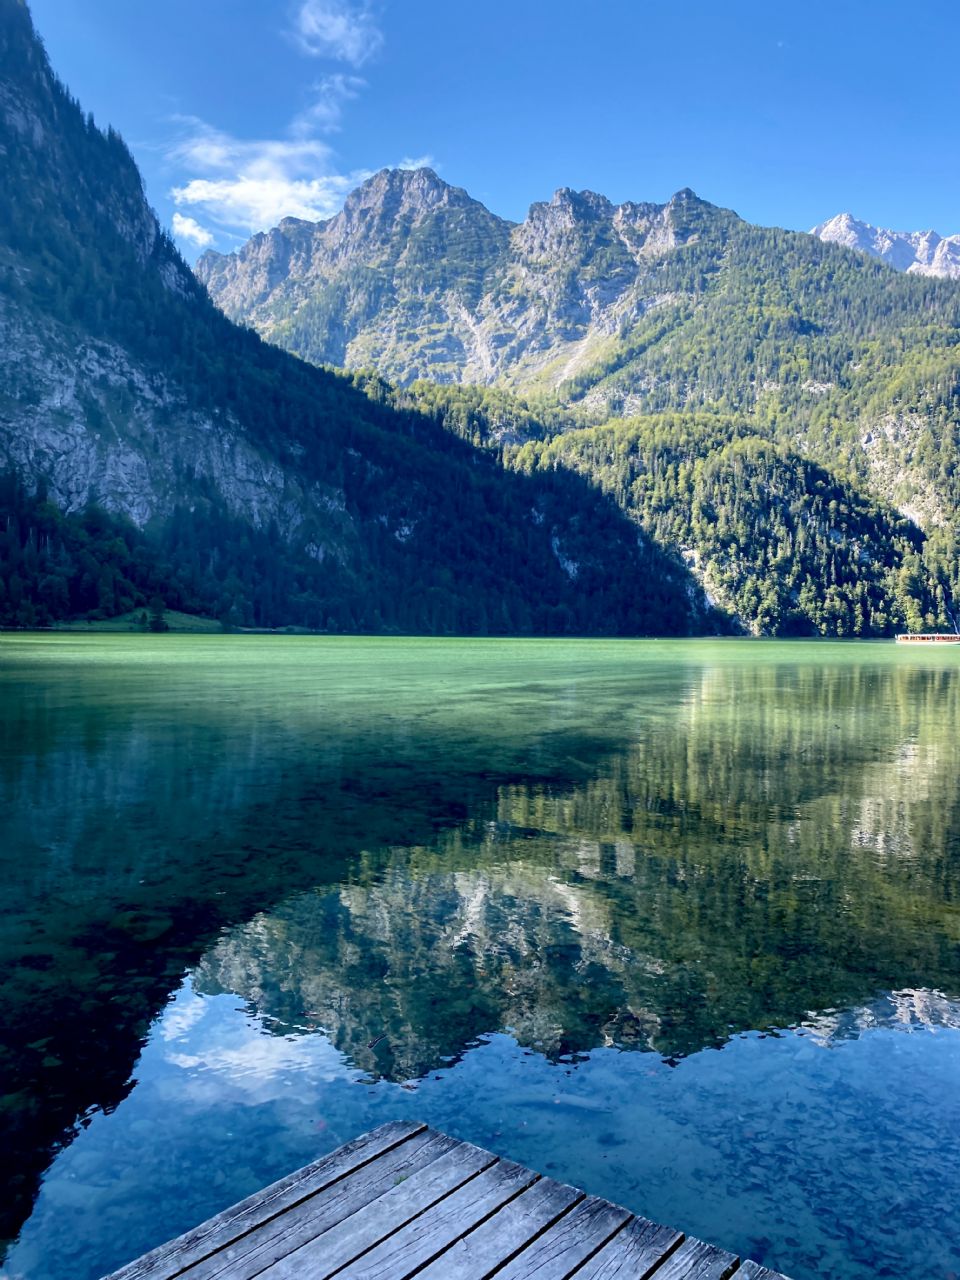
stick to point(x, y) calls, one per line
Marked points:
point(924, 253)
point(685, 207)
point(290, 226)
point(581, 204)
point(559, 229)
point(403, 193)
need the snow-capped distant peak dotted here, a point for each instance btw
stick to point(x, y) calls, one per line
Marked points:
point(924, 253)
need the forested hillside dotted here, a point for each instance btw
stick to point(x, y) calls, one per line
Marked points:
point(776, 538)
point(778, 541)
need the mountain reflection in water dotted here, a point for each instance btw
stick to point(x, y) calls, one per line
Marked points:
point(458, 880)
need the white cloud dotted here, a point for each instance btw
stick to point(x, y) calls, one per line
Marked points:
point(253, 184)
point(326, 111)
point(417, 162)
point(189, 229)
point(248, 185)
point(257, 204)
point(337, 29)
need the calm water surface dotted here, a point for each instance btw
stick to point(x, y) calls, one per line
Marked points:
point(678, 922)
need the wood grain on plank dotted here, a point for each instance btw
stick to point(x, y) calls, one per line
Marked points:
point(259, 1249)
point(754, 1271)
point(560, 1249)
point(695, 1260)
point(633, 1254)
point(356, 1235)
point(510, 1229)
point(406, 1251)
point(176, 1255)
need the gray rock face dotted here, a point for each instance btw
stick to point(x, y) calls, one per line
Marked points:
point(418, 279)
point(99, 427)
point(923, 253)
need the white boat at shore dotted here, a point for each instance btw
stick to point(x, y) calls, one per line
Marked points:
point(929, 638)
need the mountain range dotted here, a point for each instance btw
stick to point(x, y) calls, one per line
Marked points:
point(592, 317)
point(925, 253)
point(607, 419)
point(417, 279)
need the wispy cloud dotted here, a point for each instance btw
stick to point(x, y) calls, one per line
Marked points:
point(189, 229)
point(417, 162)
point(338, 29)
point(243, 184)
point(253, 184)
point(325, 112)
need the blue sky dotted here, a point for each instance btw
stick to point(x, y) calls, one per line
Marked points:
point(241, 111)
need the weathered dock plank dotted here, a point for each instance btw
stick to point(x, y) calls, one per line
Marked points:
point(407, 1201)
point(510, 1229)
point(634, 1253)
point(427, 1237)
point(173, 1258)
point(328, 1254)
point(569, 1242)
point(695, 1260)
point(252, 1253)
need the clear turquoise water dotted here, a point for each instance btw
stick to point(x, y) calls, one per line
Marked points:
point(679, 923)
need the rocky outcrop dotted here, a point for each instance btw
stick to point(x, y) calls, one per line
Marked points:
point(101, 428)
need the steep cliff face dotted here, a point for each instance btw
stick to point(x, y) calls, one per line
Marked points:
point(101, 427)
point(122, 385)
point(47, 139)
point(87, 403)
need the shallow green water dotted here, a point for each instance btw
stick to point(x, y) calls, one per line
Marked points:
point(678, 922)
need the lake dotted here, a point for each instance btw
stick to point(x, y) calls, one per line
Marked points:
point(678, 922)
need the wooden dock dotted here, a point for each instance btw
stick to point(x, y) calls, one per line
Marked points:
point(405, 1200)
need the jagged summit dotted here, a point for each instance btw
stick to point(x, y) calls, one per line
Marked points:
point(393, 199)
point(415, 187)
point(401, 194)
point(925, 253)
point(419, 279)
point(581, 202)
